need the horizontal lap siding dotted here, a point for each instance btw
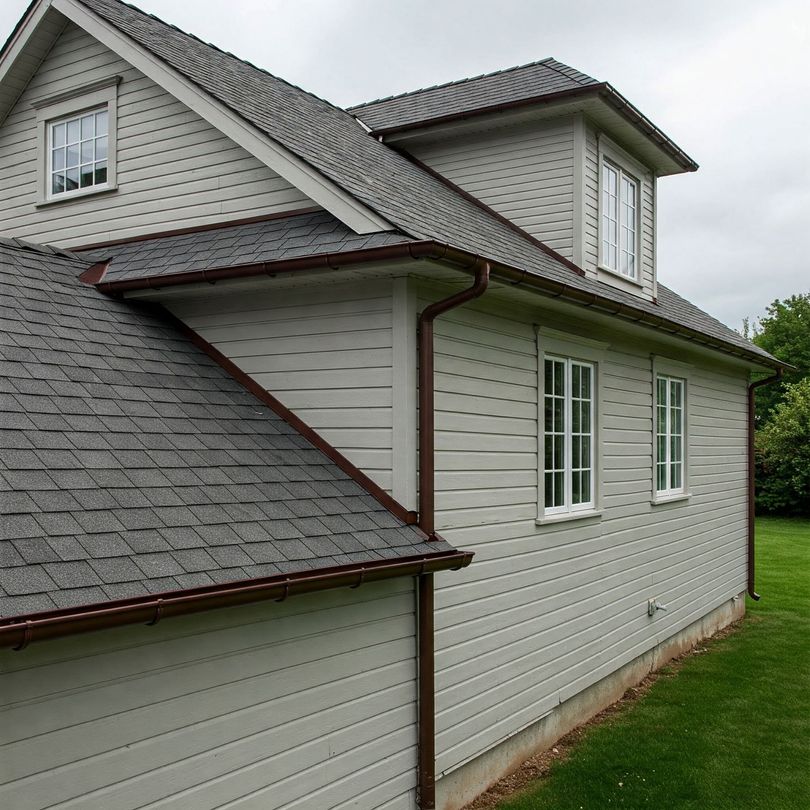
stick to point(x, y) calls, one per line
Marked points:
point(525, 173)
point(174, 169)
point(305, 704)
point(325, 352)
point(544, 612)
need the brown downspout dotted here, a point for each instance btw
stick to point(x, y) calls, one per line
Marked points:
point(427, 522)
point(752, 476)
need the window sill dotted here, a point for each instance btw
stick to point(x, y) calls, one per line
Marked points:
point(662, 499)
point(607, 275)
point(566, 517)
point(73, 197)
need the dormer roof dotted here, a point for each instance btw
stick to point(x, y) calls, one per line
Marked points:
point(547, 84)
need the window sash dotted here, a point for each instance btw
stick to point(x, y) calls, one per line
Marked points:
point(670, 410)
point(78, 153)
point(568, 436)
point(620, 216)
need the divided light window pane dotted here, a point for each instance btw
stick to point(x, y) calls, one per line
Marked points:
point(568, 435)
point(78, 152)
point(669, 435)
point(620, 211)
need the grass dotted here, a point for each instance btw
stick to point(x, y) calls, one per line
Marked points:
point(729, 729)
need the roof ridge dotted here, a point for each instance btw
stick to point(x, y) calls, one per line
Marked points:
point(452, 83)
point(15, 243)
point(225, 53)
point(553, 63)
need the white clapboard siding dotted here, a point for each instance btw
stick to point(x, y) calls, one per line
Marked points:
point(591, 215)
point(309, 703)
point(174, 169)
point(526, 173)
point(325, 352)
point(546, 611)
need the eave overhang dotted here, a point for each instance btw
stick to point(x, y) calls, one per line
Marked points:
point(429, 250)
point(17, 632)
point(595, 100)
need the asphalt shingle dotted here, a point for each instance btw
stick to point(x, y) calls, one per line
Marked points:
point(109, 511)
point(533, 80)
point(335, 144)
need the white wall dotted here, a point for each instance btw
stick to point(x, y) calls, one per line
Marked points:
point(326, 352)
point(525, 172)
point(174, 169)
point(547, 610)
point(305, 704)
point(544, 177)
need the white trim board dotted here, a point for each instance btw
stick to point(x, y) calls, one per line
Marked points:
point(296, 171)
point(34, 18)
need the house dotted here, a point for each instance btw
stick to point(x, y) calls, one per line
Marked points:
point(274, 371)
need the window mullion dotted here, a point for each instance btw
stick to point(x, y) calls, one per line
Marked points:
point(568, 445)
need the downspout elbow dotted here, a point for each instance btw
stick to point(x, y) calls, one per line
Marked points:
point(426, 390)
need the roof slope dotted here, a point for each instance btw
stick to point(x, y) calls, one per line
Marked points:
point(332, 141)
point(545, 77)
point(276, 239)
point(130, 463)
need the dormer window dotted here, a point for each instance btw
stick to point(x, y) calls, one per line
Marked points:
point(78, 152)
point(77, 141)
point(619, 243)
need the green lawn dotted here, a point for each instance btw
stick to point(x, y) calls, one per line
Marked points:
point(730, 729)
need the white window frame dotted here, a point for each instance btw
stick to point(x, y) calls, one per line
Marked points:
point(670, 370)
point(629, 169)
point(570, 349)
point(102, 95)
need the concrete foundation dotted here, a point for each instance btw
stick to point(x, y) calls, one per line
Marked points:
point(462, 785)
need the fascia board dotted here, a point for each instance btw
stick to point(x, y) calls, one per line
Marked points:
point(16, 46)
point(296, 171)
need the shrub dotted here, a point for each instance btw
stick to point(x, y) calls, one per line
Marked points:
point(783, 455)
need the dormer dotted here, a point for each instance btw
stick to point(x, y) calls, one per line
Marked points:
point(564, 157)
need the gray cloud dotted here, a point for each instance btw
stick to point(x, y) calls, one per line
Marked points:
point(729, 81)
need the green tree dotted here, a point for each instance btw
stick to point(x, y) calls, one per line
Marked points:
point(783, 455)
point(785, 333)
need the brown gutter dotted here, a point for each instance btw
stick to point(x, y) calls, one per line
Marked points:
point(18, 632)
point(752, 477)
point(427, 522)
point(426, 764)
point(439, 252)
point(602, 90)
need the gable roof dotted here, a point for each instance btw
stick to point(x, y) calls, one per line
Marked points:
point(333, 142)
point(132, 464)
point(394, 187)
point(541, 82)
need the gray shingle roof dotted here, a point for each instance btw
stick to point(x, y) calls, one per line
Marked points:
point(540, 78)
point(276, 239)
point(131, 463)
point(332, 141)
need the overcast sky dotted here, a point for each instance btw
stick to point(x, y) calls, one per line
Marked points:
point(729, 81)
